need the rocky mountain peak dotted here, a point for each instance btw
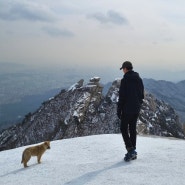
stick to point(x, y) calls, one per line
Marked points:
point(86, 98)
point(84, 110)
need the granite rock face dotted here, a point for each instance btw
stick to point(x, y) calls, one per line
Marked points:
point(83, 110)
point(172, 93)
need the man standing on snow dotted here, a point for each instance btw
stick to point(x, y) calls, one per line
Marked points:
point(131, 95)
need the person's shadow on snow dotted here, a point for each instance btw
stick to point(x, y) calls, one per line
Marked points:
point(91, 175)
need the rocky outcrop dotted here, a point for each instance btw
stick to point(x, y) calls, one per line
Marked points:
point(172, 93)
point(83, 110)
point(159, 118)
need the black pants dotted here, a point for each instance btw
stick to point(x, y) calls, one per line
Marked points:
point(128, 130)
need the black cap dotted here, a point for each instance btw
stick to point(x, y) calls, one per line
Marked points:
point(127, 65)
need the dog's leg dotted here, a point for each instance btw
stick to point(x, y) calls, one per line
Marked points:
point(26, 160)
point(25, 164)
point(39, 158)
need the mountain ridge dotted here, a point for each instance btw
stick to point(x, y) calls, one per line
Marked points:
point(83, 110)
point(170, 92)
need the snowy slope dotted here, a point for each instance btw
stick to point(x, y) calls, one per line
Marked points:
point(98, 160)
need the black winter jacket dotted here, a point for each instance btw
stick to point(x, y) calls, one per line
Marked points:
point(131, 94)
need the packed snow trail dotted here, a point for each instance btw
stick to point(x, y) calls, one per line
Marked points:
point(98, 160)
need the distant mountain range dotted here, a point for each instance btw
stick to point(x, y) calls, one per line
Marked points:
point(24, 88)
point(12, 113)
point(172, 93)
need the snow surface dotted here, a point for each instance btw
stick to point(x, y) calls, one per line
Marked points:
point(98, 160)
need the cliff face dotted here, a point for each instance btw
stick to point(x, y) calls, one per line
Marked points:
point(83, 110)
point(172, 93)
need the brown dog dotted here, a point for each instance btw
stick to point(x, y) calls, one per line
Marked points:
point(35, 151)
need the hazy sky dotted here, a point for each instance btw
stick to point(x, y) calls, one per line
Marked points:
point(150, 33)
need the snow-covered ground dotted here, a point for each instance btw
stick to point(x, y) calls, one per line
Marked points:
point(98, 160)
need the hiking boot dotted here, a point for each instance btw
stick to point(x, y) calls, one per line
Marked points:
point(131, 155)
